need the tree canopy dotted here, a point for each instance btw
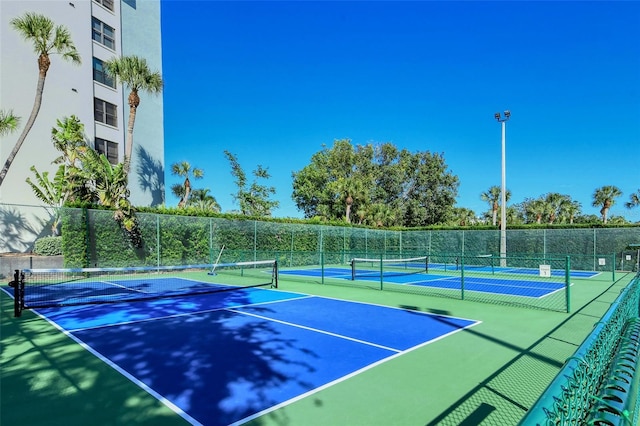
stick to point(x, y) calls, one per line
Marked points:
point(376, 184)
point(253, 200)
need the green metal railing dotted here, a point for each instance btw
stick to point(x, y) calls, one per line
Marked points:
point(571, 397)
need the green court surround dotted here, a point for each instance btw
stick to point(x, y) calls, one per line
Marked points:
point(489, 374)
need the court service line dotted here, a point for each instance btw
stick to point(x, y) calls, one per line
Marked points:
point(122, 287)
point(317, 330)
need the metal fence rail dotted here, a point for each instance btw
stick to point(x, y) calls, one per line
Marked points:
point(571, 396)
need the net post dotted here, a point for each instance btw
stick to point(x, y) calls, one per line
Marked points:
point(353, 269)
point(16, 303)
point(381, 270)
point(567, 283)
point(426, 264)
point(275, 274)
point(18, 293)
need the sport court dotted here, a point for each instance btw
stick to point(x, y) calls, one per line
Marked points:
point(227, 357)
point(482, 279)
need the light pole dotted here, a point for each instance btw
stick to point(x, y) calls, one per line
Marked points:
point(503, 190)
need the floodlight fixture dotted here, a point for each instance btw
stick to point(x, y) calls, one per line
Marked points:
point(500, 118)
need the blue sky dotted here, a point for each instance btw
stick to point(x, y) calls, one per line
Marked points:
point(275, 82)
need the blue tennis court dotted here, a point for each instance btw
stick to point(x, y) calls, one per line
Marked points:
point(498, 285)
point(225, 358)
point(509, 270)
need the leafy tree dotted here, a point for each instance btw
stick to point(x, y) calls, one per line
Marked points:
point(108, 183)
point(47, 39)
point(84, 175)
point(8, 122)
point(493, 196)
point(605, 197)
point(253, 201)
point(183, 191)
point(69, 133)
point(69, 183)
point(54, 192)
point(348, 181)
point(134, 73)
point(69, 138)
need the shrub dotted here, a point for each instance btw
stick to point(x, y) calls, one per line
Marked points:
point(48, 246)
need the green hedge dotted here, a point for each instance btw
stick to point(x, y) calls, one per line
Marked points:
point(48, 246)
point(93, 238)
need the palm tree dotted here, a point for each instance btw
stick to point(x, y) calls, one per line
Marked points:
point(134, 73)
point(183, 191)
point(570, 209)
point(380, 214)
point(352, 190)
point(8, 122)
point(47, 39)
point(536, 209)
point(201, 200)
point(463, 216)
point(554, 203)
point(634, 200)
point(605, 197)
point(492, 196)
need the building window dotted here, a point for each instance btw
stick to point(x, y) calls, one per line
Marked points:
point(108, 148)
point(105, 112)
point(100, 74)
point(106, 3)
point(103, 33)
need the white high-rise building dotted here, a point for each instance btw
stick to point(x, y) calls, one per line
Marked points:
point(100, 30)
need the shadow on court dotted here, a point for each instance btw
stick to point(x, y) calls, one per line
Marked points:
point(217, 366)
point(47, 379)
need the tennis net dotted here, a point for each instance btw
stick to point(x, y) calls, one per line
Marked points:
point(40, 288)
point(363, 268)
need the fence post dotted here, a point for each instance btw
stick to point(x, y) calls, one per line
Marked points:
point(567, 283)
point(613, 269)
point(381, 271)
point(158, 240)
point(462, 277)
